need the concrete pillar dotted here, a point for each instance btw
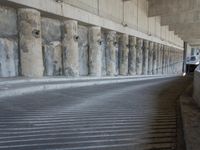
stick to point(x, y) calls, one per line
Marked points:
point(170, 61)
point(164, 59)
point(158, 58)
point(95, 54)
point(70, 49)
point(111, 43)
point(132, 55)
point(83, 50)
point(155, 58)
point(173, 61)
point(30, 42)
point(139, 56)
point(123, 54)
point(161, 54)
point(53, 59)
point(168, 48)
point(51, 46)
point(150, 59)
point(145, 57)
point(103, 53)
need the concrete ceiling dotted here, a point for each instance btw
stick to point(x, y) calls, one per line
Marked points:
point(182, 17)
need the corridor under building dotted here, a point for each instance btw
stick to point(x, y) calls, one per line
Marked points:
point(99, 74)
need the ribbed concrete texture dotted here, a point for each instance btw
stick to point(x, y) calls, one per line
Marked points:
point(150, 59)
point(70, 49)
point(123, 54)
point(111, 49)
point(139, 58)
point(132, 55)
point(30, 42)
point(95, 54)
point(106, 117)
point(145, 57)
point(52, 49)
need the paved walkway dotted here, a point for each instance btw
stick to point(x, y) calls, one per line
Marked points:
point(139, 115)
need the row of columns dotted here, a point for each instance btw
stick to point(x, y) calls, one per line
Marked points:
point(124, 55)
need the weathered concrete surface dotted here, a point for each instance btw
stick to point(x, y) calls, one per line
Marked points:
point(51, 30)
point(83, 45)
point(150, 59)
point(132, 55)
point(161, 59)
point(103, 52)
point(167, 59)
point(70, 49)
point(190, 118)
point(123, 54)
point(30, 43)
point(145, 57)
point(95, 53)
point(139, 58)
point(111, 49)
point(8, 22)
point(52, 50)
point(53, 59)
point(8, 58)
point(158, 58)
point(154, 58)
point(196, 87)
point(117, 54)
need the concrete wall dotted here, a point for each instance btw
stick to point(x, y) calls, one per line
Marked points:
point(8, 42)
point(196, 87)
point(113, 48)
point(133, 13)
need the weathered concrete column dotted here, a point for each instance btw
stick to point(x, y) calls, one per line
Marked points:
point(83, 50)
point(170, 61)
point(51, 46)
point(173, 61)
point(70, 49)
point(132, 55)
point(30, 42)
point(164, 60)
point(160, 62)
point(158, 58)
point(150, 59)
point(155, 58)
point(123, 54)
point(95, 54)
point(145, 57)
point(139, 56)
point(111, 43)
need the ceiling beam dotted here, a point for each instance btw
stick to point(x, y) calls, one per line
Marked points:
point(170, 7)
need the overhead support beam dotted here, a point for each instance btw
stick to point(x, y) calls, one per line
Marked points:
point(193, 42)
point(186, 17)
point(192, 28)
point(169, 7)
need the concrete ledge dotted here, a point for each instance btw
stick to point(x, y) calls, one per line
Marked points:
point(16, 87)
point(191, 118)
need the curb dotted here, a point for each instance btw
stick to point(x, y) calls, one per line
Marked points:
point(83, 83)
point(190, 113)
